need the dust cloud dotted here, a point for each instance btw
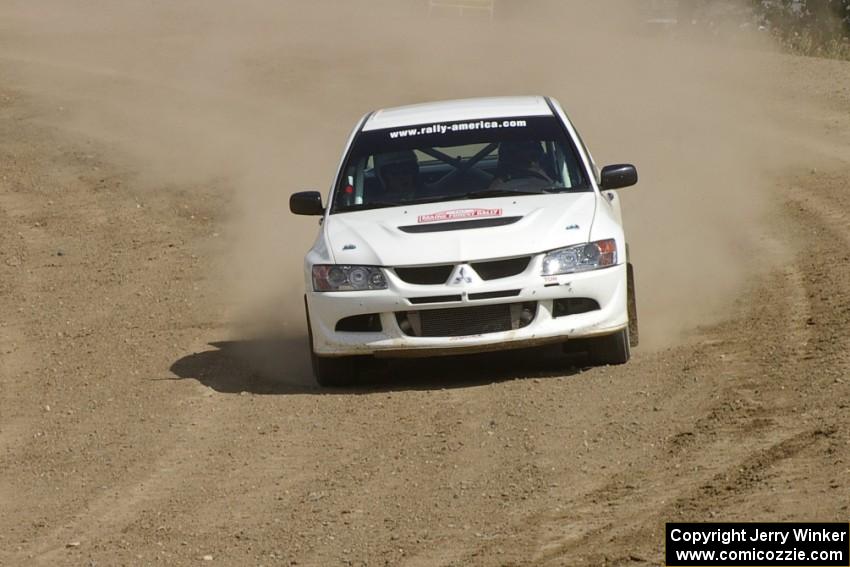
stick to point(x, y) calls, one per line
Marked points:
point(255, 99)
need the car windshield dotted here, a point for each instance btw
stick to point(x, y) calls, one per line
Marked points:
point(457, 161)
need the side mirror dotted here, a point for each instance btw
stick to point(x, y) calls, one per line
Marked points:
point(306, 203)
point(618, 176)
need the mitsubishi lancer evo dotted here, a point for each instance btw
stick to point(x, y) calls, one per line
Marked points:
point(466, 226)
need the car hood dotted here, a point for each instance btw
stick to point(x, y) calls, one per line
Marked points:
point(489, 228)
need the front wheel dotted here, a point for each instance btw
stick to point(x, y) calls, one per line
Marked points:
point(331, 372)
point(610, 349)
point(634, 335)
point(336, 372)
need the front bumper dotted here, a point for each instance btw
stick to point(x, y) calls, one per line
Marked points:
point(606, 286)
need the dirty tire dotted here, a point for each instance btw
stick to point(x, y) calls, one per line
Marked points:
point(330, 372)
point(610, 349)
point(336, 372)
point(634, 335)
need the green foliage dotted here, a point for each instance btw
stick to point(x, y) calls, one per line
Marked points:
point(808, 27)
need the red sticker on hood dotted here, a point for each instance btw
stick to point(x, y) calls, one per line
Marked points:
point(458, 214)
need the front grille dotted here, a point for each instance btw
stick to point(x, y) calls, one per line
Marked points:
point(501, 268)
point(438, 275)
point(465, 321)
point(425, 275)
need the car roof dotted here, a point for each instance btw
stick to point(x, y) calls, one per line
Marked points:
point(456, 110)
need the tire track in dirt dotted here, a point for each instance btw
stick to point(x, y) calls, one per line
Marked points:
point(467, 464)
point(726, 486)
point(790, 310)
point(680, 500)
point(177, 479)
point(742, 443)
point(112, 510)
point(68, 237)
point(828, 211)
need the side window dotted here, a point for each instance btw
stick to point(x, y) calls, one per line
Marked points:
point(353, 184)
point(570, 167)
point(590, 157)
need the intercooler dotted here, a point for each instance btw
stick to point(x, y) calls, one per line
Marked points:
point(465, 321)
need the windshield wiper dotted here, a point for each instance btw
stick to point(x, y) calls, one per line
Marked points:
point(485, 194)
point(500, 193)
point(435, 199)
point(367, 206)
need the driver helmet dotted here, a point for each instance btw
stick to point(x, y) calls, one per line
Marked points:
point(519, 154)
point(403, 162)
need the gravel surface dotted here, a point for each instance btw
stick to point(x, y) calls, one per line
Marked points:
point(138, 428)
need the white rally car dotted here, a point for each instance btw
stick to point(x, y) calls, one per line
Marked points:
point(466, 226)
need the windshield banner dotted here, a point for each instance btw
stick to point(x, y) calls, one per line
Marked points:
point(457, 127)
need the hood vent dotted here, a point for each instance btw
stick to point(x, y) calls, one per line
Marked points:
point(458, 225)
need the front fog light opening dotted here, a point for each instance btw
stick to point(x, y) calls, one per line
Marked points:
point(369, 323)
point(573, 306)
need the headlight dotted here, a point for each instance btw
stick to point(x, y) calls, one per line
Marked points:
point(580, 258)
point(347, 278)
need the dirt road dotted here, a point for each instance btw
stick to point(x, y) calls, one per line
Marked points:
point(139, 426)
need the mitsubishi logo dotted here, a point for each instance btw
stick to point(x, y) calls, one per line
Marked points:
point(462, 277)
